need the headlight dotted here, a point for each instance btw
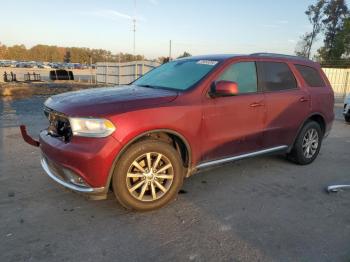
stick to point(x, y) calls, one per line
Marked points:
point(91, 127)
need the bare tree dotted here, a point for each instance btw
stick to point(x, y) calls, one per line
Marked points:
point(304, 45)
point(315, 14)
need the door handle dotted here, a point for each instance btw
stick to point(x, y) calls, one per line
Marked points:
point(303, 99)
point(256, 104)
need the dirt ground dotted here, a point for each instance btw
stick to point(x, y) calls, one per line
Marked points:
point(262, 209)
point(79, 74)
point(22, 90)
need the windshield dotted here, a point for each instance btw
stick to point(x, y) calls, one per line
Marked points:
point(179, 74)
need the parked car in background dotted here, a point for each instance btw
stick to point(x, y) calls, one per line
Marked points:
point(5, 63)
point(346, 111)
point(43, 65)
point(189, 114)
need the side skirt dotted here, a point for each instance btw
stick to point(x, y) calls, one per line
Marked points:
point(234, 158)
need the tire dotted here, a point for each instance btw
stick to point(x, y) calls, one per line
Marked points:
point(299, 153)
point(138, 187)
point(347, 118)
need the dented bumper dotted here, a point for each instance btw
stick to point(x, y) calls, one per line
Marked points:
point(84, 165)
point(66, 178)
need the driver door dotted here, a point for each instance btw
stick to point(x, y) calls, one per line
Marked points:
point(232, 125)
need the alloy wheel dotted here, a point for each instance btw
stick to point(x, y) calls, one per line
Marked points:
point(310, 143)
point(150, 176)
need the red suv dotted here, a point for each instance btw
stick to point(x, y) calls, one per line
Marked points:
point(143, 139)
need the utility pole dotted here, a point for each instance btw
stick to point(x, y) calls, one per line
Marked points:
point(134, 29)
point(90, 56)
point(119, 67)
point(106, 68)
point(170, 51)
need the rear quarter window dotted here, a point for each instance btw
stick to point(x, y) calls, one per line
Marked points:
point(311, 76)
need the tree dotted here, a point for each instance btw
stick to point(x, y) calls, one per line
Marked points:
point(336, 11)
point(48, 53)
point(163, 59)
point(315, 15)
point(185, 54)
point(17, 52)
point(67, 57)
point(346, 37)
point(3, 51)
point(304, 45)
point(342, 41)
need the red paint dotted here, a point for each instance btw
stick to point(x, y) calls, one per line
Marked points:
point(27, 138)
point(213, 127)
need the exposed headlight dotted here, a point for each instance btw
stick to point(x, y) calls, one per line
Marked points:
point(91, 127)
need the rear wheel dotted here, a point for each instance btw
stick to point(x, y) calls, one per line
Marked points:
point(307, 145)
point(148, 175)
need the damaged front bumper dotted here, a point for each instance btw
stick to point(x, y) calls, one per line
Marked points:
point(67, 178)
point(27, 138)
point(83, 165)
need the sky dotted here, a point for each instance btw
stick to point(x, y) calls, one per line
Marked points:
point(196, 26)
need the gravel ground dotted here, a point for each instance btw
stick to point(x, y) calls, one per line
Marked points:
point(262, 209)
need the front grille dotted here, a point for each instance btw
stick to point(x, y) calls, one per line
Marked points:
point(59, 125)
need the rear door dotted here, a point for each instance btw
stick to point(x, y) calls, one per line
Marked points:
point(287, 103)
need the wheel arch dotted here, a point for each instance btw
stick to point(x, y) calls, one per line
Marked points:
point(181, 144)
point(317, 117)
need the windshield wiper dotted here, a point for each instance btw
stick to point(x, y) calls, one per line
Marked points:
point(147, 86)
point(151, 86)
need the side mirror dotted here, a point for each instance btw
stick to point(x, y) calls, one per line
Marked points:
point(224, 88)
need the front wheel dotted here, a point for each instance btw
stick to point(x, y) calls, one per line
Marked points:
point(307, 145)
point(148, 175)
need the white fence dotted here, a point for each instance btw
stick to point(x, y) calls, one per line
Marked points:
point(122, 73)
point(340, 80)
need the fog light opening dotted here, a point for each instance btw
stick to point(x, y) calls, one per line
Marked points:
point(74, 179)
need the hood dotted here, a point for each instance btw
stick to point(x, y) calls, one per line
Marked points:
point(109, 100)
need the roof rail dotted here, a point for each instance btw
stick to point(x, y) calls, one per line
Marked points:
point(280, 55)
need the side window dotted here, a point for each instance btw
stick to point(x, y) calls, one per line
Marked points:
point(311, 76)
point(244, 74)
point(275, 76)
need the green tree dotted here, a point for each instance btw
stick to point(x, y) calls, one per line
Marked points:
point(342, 41)
point(346, 37)
point(335, 11)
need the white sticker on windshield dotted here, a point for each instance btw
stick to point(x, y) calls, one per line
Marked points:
point(207, 62)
